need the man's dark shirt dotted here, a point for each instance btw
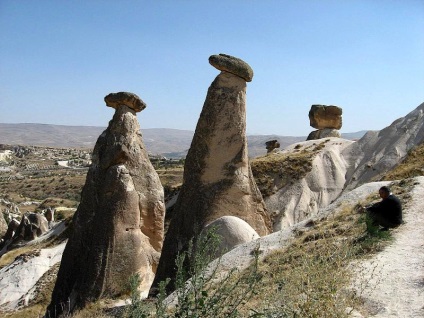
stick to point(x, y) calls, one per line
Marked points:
point(389, 208)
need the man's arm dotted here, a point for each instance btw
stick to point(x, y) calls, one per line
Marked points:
point(374, 207)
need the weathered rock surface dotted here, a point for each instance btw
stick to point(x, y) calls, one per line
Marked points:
point(231, 64)
point(322, 116)
point(11, 229)
point(3, 225)
point(130, 100)
point(49, 214)
point(218, 179)
point(232, 231)
point(302, 198)
point(323, 133)
point(379, 151)
point(118, 227)
point(341, 165)
point(32, 226)
point(271, 145)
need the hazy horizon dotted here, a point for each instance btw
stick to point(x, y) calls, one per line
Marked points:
point(166, 128)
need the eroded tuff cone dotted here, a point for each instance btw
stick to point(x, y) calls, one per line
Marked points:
point(218, 180)
point(322, 116)
point(124, 98)
point(118, 227)
point(232, 65)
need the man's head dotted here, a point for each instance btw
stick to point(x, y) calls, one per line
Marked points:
point(384, 192)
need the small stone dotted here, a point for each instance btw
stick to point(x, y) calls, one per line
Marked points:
point(125, 98)
point(233, 65)
point(271, 145)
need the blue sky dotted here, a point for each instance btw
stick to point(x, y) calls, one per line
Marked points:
point(58, 59)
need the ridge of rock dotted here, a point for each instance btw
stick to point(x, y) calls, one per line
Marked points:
point(379, 151)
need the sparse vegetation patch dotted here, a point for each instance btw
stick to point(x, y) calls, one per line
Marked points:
point(411, 166)
point(310, 278)
point(276, 170)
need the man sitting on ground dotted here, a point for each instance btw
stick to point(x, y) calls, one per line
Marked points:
point(387, 212)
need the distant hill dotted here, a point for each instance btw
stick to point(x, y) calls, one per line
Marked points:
point(172, 143)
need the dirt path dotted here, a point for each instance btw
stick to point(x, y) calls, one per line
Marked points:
point(398, 271)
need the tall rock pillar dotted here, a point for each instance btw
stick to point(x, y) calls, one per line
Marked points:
point(118, 227)
point(218, 180)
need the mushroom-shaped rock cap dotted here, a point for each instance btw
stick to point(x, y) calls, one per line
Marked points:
point(323, 116)
point(232, 65)
point(125, 98)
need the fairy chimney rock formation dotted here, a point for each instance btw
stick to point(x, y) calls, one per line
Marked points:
point(118, 227)
point(326, 119)
point(217, 176)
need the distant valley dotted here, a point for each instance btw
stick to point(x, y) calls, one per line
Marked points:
point(172, 143)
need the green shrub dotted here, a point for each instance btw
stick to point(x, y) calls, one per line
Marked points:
point(136, 308)
point(199, 292)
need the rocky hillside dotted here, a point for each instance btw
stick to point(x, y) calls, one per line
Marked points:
point(310, 188)
point(332, 166)
point(172, 143)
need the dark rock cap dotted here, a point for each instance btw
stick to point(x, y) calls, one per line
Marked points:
point(330, 109)
point(323, 116)
point(125, 98)
point(231, 64)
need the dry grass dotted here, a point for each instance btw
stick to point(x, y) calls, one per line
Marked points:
point(30, 312)
point(274, 171)
point(171, 177)
point(56, 202)
point(66, 187)
point(310, 277)
point(411, 166)
point(95, 310)
point(10, 256)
